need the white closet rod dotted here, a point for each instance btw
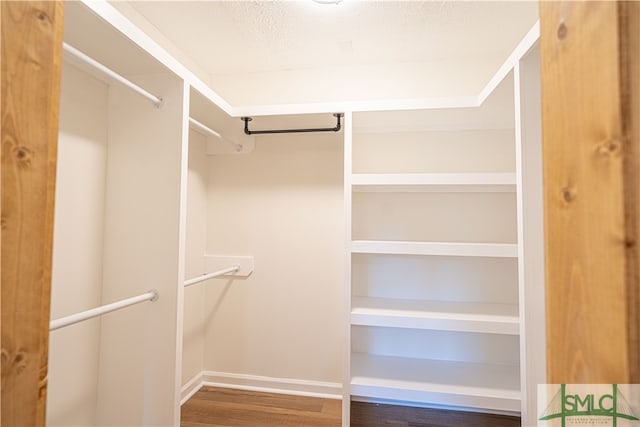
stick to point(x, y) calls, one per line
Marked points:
point(152, 295)
point(211, 275)
point(207, 131)
point(157, 101)
point(204, 128)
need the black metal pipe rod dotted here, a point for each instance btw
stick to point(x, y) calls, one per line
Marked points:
point(247, 131)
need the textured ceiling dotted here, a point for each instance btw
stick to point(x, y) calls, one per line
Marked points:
point(226, 37)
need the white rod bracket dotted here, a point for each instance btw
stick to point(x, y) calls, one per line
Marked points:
point(151, 295)
point(157, 101)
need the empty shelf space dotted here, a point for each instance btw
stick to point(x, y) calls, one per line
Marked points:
point(438, 315)
point(500, 250)
point(434, 182)
point(440, 382)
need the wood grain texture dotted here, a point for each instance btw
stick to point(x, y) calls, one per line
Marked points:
point(590, 196)
point(629, 13)
point(374, 415)
point(213, 407)
point(31, 55)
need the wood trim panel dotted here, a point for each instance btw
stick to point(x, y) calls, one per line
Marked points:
point(590, 149)
point(31, 59)
point(629, 15)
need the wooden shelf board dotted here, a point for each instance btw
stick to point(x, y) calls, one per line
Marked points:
point(499, 250)
point(473, 385)
point(434, 182)
point(437, 315)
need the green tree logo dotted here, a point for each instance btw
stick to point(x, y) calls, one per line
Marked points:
point(564, 405)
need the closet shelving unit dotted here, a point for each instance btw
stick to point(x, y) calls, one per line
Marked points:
point(389, 322)
point(442, 212)
point(124, 133)
point(434, 182)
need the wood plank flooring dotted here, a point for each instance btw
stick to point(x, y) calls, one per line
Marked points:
point(218, 407)
point(374, 415)
point(222, 407)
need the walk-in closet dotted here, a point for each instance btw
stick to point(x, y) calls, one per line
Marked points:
point(381, 249)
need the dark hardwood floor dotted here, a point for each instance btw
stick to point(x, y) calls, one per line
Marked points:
point(222, 407)
point(374, 415)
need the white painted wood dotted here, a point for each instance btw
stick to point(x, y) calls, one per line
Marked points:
point(523, 47)
point(348, 177)
point(110, 74)
point(435, 182)
point(507, 250)
point(191, 387)
point(436, 381)
point(224, 135)
point(218, 262)
point(320, 389)
point(142, 249)
point(498, 349)
point(530, 230)
point(464, 369)
point(96, 37)
point(433, 188)
point(182, 250)
point(332, 107)
point(77, 247)
point(196, 220)
point(496, 113)
point(438, 315)
point(118, 22)
point(296, 387)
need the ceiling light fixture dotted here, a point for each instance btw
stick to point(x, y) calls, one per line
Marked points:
point(328, 1)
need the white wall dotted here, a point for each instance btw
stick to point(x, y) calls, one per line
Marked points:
point(282, 204)
point(77, 248)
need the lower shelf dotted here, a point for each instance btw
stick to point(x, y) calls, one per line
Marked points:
point(439, 315)
point(438, 382)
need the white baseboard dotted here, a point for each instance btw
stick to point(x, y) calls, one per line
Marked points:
point(326, 390)
point(190, 388)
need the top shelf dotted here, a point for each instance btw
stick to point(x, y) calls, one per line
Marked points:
point(435, 182)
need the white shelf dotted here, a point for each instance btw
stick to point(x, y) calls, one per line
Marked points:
point(434, 182)
point(499, 250)
point(440, 382)
point(437, 315)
